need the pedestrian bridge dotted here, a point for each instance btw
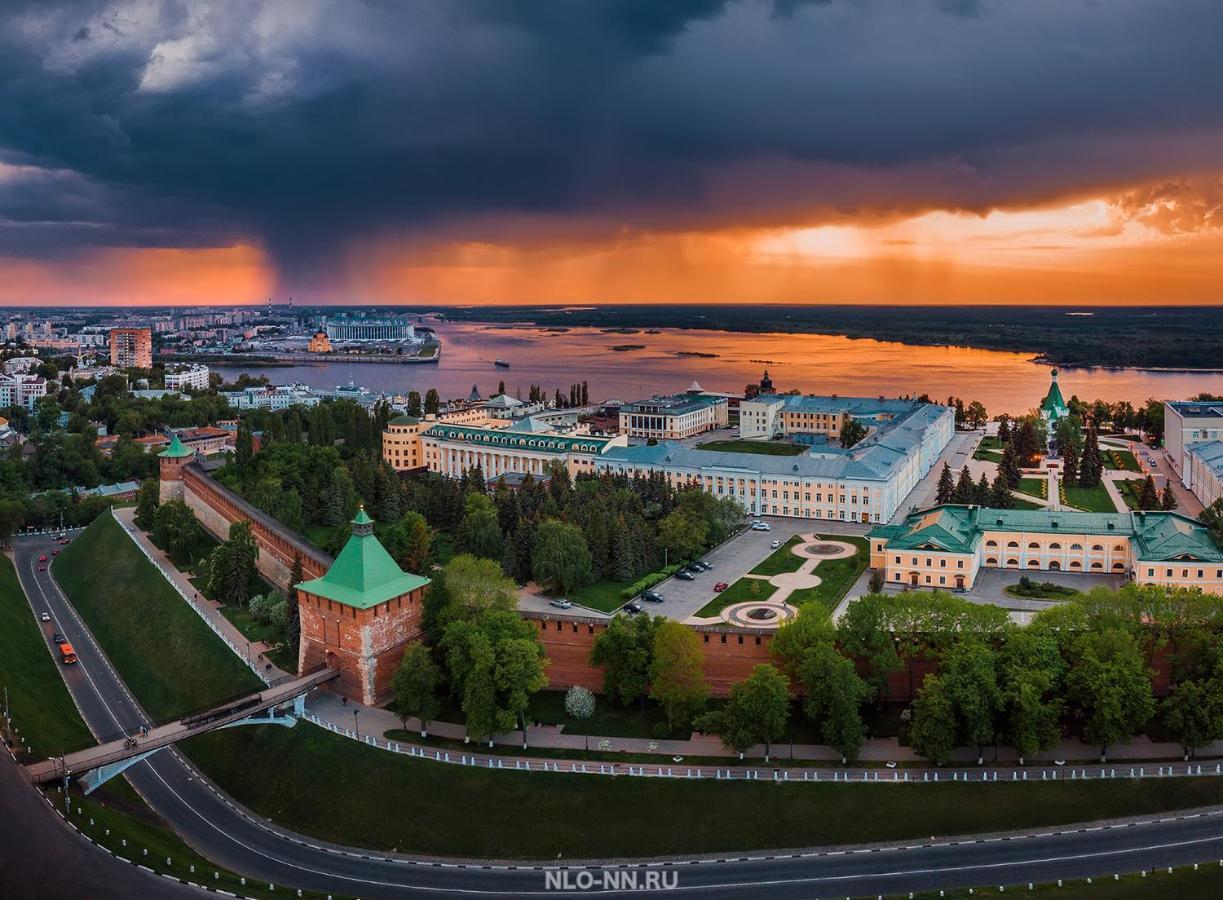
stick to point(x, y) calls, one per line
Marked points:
point(101, 763)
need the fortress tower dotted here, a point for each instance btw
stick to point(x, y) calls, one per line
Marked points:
point(171, 462)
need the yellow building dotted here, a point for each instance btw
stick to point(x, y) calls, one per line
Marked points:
point(320, 343)
point(946, 546)
point(401, 445)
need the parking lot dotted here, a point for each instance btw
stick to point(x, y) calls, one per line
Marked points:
point(732, 561)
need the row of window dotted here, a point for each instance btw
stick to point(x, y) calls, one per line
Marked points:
point(1035, 545)
point(1184, 573)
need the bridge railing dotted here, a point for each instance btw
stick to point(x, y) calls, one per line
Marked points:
point(242, 654)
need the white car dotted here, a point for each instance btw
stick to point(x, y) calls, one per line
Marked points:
point(46, 616)
point(775, 544)
point(761, 526)
point(560, 603)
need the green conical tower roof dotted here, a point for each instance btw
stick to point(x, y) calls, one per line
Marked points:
point(1053, 402)
point(364, 574)
point(176, 449)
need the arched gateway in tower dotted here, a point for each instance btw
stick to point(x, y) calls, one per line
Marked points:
point(360, 616)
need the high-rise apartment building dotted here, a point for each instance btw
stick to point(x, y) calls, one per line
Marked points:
point(131, 347)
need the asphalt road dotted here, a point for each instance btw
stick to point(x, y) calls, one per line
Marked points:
point(239, 841)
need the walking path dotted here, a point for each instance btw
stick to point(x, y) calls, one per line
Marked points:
point(371, 724)
point(208, 610)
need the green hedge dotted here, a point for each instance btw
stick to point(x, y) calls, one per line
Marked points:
point(644, 584)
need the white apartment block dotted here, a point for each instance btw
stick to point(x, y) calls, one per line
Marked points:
point(22, 390)
point(187, 378)
point(674, 418)
point(281, 397)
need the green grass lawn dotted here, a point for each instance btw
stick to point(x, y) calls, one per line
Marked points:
point(1021, 503)
point(740, 592)
point(781, 560)
point(837, 576)
point(1129, 489)
point(362, 801)
point(768, 448)
point(603, 595)
point(1120, 459)
point(1034, 487)
point(990, 442)
point(1092, 499)
point(39, 704)
point(169, 658)
point(987, 455)
point(610, 719)
point(252, 629)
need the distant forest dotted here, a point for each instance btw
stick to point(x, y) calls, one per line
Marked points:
point(1139, 337)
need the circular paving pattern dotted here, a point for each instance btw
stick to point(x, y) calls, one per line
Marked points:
point(795, 581)
point(757, 615)
point(824, 550)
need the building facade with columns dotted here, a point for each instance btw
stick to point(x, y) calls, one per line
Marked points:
point(524, 448)
point(945, 547)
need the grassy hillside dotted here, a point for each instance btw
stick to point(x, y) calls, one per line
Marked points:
point(38, 702)
point(169, 658)
point(365, 797)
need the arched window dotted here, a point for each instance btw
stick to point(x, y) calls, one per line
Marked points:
point(991, 543)
point(1033, 546)
point(1118, 548)
point(1014, 544)
point(1097, 548)
point(1055, 546)
point(992, 561)
point(1076, 546)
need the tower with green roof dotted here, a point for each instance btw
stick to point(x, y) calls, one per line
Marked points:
point(170, 465)
point(1053, 407)
point(360, 616)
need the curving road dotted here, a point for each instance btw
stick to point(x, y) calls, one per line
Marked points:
point(233, 838)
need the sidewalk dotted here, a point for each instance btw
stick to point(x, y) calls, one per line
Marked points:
point(251, 653)
point(374, 723)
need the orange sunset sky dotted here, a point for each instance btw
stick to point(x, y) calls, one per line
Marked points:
point(697, 151)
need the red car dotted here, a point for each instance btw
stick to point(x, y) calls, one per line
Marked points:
point(64, 541)
point(719, 587)
point(55, 552)
point(42, 558)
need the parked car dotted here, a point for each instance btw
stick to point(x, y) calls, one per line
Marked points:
point(632, 608)
point(652, 596)
point(775, 544)
point(720, 587)
point(46, 616)
point(560, 603)
point(761, 526)
point(685, 575)
point(703, 565)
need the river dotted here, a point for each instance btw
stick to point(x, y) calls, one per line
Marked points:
point(812, 363)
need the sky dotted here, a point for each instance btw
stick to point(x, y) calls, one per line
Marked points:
point(544, 151)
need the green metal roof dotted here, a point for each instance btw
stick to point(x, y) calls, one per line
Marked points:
point(403, 420)
point(176, 449)
point(364, 574)
point(1158, 535)
point(1053, 401)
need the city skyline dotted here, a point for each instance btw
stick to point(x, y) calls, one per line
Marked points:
point(950, 151)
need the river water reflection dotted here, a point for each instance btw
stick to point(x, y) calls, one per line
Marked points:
point(664, 362)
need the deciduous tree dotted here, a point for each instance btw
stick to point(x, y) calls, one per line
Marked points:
point(677, 679)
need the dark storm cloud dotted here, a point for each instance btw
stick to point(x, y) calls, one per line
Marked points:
point(305, 125)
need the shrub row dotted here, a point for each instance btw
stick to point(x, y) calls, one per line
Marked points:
point(648, 581)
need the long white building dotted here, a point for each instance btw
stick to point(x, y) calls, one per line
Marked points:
point(1188, 422)
point(370, 329)
point(866, 483)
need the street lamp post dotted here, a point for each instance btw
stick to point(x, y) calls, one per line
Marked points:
point(355, 724)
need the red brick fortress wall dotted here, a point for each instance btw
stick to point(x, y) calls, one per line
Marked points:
point(730, 653)
point(217, 507)
point(366, 645)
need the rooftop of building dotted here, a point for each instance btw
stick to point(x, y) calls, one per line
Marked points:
point(1210, 453)
point(176, 450)
point(1197, 409)
point(957, 529)
point(1053, 402)
point(364, 574)
point(548, 442)
point(404, 419)
point(673, 404)
point(866, 407)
